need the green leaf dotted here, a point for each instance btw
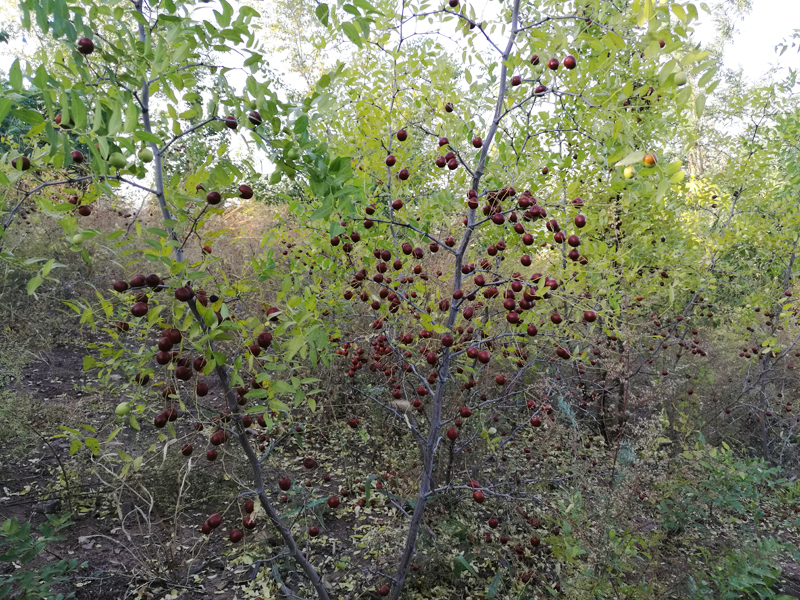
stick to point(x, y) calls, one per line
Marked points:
point(15, 76)
point(276, 404)
point(632, 158)
point(490, 593)
point(33, 284)
point(301, 124)
point(294, 346)
point(31, 117)
point(5, 106)
point(699, 105)
point(351, 32)
point(322, 11)
point(146, 136)
point(464, 565)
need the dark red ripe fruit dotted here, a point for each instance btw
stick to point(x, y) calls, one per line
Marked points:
point(213, 198)
point(313, 531)
point(493, 523)
point(249, 506)
point(249, 522)
point(73, 199)
point(441, 162)
point(563, 353)
point(160, 420)
point(63, 125)
point(211, 455)
point(187, 449)
point(215, 520)
point(452, 164)
point(245, 191)
point(552, 64)
point(85, 46)
point(397, 204)
point(201, 388)
point(477, 496)
point(447, 340)
point(534, 541)
point(285, 484)
point(137, 281)
point(183, 373)
point(120, 286)
point(534, 60)
point(206, 528)
point(536, 421)
point(555, 318)
point(525, 260)
point(532, 330)
point(230, 122)
point(255, 118)
point(139, 309)
point(264, 339)
point(77, 156)
point(570, 62)
point(574, 241)
point(84, 211)
point(466, 412)
point(236, 535)
point(403, 174)
point(449, 107)
point(516, 80)
point(183, 294)
point(580, 221)
point(484, 356)
point(589, 316)
point(402, 135)
point(661, 43)
point(452, 434)
point(390, 160)
point(384, 590)
point(333, 502)
point(309, 463)
point(498, 219)
point(477, 142)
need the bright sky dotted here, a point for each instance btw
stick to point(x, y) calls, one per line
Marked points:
point(770, 22)
point(753, 47)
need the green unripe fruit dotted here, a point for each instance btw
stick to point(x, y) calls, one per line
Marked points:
point(217, 125)
point(293, 154)
point(146, 155)
point(123, 408)
point(117, 160)
point(77, 239)
point(680, 78)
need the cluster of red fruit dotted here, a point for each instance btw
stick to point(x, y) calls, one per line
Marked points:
point(213, 198)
